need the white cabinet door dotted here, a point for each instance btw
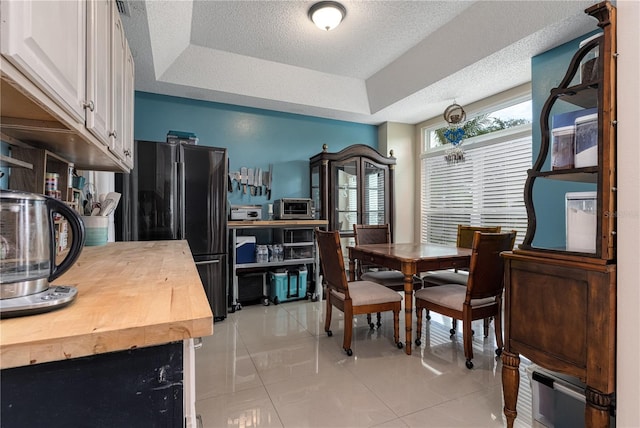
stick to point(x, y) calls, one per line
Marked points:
point(118, 49)
point(98, 112)
point(46, 41)
point(129, 80)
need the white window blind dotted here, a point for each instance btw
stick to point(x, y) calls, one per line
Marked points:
point(485, 190)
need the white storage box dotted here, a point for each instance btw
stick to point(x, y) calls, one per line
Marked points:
point(582, 220)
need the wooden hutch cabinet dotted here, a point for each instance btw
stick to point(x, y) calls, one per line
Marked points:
point(560, 298)
point(352, 186)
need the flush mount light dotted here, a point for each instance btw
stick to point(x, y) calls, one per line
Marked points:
point(327, 15)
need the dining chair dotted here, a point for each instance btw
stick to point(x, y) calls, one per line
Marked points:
point(352, 298)
point(482, 296)
point(378, 234)
point(464, 239)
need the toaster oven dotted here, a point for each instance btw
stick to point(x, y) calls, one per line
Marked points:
point(294, 209)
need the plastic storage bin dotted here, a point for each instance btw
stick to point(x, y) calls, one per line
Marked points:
point(298, 252)
point(589, 64)
point(562, 148)
point(288, 285)
point(565, 152)
point(586, 141)
point(557, 401)
point(582, 218)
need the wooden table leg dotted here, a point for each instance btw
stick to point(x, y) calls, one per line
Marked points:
point(408, 310)
point(596, 413)
point(510, 384)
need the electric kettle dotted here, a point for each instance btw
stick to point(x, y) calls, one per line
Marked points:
point(28, 252)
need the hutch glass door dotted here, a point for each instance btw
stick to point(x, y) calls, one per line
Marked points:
point(346, 196)
point(316, 192)
point(374, 186)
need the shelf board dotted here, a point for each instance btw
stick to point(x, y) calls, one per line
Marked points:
point(275, 264)
point(296, 244)
point(289, 224)
point(583, 95)
point(560, 254)
point(580, 175)
point(14, 163)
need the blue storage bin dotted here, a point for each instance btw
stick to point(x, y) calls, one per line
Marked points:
point(288, 285)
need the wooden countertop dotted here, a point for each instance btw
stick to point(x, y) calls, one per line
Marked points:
point(130, 295)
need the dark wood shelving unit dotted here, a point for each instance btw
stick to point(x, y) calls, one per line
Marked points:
point(560, 306)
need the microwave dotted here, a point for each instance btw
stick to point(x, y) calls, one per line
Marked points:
point(294, 209)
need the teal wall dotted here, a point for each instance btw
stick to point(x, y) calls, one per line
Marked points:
point(547, 70)
point(254, 138)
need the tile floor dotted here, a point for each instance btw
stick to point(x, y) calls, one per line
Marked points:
point(274, 366)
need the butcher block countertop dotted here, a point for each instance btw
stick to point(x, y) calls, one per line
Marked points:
point(130, 295)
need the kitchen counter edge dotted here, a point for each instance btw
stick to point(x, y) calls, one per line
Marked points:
point(130, 295)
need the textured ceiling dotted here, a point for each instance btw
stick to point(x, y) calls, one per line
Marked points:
point(396, 61)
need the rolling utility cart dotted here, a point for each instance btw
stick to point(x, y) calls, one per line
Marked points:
point(299, 259)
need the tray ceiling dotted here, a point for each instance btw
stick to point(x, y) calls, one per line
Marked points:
point(389, 61)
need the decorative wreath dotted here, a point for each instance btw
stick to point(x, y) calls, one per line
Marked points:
point(454, 114)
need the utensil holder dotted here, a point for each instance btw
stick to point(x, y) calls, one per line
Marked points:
point(96, 230)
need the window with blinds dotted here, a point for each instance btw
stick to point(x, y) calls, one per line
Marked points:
point(484, 190)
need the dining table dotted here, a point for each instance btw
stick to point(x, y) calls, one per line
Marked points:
point(410, 259)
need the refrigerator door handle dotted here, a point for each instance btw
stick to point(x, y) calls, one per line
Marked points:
point(175, 192)
point(182, 189)
point(208, 262)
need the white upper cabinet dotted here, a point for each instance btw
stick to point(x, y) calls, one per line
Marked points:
point(46, 41)
point(118, 54)
point(99, 25)
point(129, 80)
point(72, 58)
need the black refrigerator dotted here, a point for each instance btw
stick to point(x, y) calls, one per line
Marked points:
point(179, 191)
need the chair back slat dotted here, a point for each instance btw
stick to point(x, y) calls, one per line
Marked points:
point(371, 234)
point(486, 271)
point(465, 234)
point(332, 261)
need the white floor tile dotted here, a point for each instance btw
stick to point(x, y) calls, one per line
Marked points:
point(243, 409)
point(272, 366)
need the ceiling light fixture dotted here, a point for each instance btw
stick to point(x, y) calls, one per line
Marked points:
point(327, 15)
